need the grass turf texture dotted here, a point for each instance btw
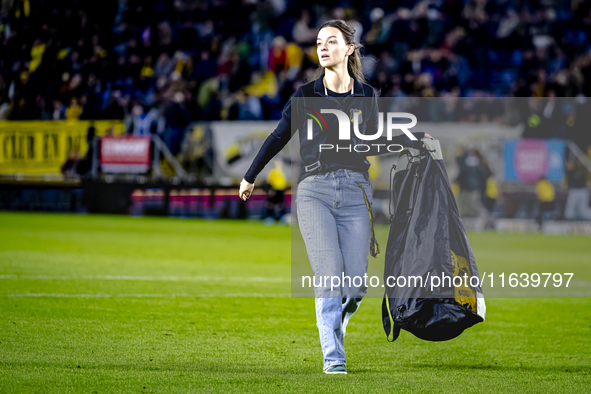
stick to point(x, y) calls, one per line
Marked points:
point(121, 304)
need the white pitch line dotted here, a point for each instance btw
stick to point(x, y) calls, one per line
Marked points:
point(150, 278)
point(60, 295)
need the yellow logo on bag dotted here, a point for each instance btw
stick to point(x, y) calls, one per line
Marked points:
point(464, 295)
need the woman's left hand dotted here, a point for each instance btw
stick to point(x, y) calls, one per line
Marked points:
point(427, 136)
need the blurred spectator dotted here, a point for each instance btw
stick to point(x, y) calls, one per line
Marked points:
point(142, 122)
point(546, 196)
point(5, 109)
point(206, 68)
point(302, 33)
point(84, 166)
point(164, 66)
point(59, 110)
point(470, 180)
point(379, 34)
point(208, 99)
point(245, 107)
point(176, 118)
point(490, 200)
point(69, 167)
point(277, 182)
point(74, 111)
point(278, 55)
point(114, 110)
point(488, 190)
point(577, 202)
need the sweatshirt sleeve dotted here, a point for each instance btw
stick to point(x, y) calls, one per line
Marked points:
point(273, 144)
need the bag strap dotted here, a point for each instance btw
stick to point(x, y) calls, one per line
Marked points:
point(388, 321)
point(391, 196)
point(374, 248)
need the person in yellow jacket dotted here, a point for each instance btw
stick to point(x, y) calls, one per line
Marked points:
point(74, 111)
point(276, 194)
point(546, 197)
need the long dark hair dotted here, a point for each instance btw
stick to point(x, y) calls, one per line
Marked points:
point(354, 62)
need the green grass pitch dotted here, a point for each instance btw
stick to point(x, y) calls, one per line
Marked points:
point(121, 304)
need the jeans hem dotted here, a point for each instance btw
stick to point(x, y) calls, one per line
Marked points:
point(343, 363)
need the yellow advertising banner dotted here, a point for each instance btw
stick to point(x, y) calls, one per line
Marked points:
point(42, 147)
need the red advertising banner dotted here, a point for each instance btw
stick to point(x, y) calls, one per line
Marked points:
point(125, 154)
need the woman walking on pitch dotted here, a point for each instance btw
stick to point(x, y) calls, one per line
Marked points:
point(334, 193)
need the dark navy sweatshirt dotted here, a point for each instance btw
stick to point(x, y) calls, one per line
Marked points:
point(308, 100)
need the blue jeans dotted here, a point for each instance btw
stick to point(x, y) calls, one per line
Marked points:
point(334, 223)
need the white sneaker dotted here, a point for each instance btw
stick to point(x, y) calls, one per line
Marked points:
point(336, 369)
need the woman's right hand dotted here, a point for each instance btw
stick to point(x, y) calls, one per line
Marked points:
point(245, 189)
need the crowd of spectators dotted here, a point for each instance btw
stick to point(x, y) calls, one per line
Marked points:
point(161, 64)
